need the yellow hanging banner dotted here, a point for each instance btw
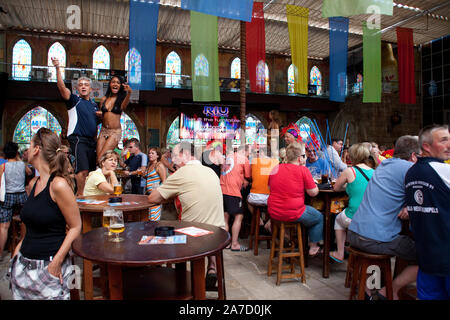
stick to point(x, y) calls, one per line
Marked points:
point(297, 18)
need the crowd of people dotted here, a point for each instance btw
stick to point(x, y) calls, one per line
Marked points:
point(208, 186)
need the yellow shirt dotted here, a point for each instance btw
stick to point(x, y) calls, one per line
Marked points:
point(92, 181)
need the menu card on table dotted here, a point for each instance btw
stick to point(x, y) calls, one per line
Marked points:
point(162, 240)
point(89, 201)
point(193, 231)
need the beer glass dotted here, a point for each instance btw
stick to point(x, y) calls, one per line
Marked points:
point(117, 225)
point(118, 189)
point(107, 212)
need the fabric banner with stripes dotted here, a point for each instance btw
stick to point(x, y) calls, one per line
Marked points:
point(347, 8)
point(231, 9)
point(405, 47)
point(204, 57)
point(297, 18)
point(256, 49)
point(371, 64)
point(338, 57)
point(142, 44)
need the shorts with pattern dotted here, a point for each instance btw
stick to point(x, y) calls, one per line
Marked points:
point(30, 279)
point(11, 200)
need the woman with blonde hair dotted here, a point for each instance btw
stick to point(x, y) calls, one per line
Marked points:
point(155, 174)
point(41, 266)
point(103, 180)
point(354, 181)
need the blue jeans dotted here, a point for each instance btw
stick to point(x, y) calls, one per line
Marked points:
point(313, 220)
point(430, 287)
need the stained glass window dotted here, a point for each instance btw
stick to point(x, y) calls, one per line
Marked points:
point(359, 83)
point(266, 78)
point(315, 79)
point(100, 59)
point(291, 79)
point(21, 60)
point(129, 129)
point(173, 67)
point(31, 122)
point(56, 51)
point(201, 66)
point(173, 135)
point(135, 65)
point(236, 68)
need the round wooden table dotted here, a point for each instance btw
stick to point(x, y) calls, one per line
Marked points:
point(136, 210)
point(94, 246)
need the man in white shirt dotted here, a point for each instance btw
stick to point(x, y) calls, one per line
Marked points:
point(333, 155)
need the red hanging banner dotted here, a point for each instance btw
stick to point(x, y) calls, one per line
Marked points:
point(407, 85)
point(256, 49)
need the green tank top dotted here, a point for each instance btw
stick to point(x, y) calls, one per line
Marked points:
point(355, 190)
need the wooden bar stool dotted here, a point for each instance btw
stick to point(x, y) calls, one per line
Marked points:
point(357, 266)
point(279, 229)
point(254, 231)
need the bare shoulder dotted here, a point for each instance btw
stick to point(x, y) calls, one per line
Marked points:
point(59, 184)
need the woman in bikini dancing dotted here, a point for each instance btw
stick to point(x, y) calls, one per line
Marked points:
point(112, 104)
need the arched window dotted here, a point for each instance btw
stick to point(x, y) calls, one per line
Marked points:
point(315, 79)
point(31, 122)
point(21, 60)
point(266, 75)
point(201, 66)
point(255, 133)
point(100, 59)
point(236, 68)
point(134, 65)
point(56, 51)
point(129, 129)
point(291, 79)
point(173, 67)
point(359, 83)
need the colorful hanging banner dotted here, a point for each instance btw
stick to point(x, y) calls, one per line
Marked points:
point(142, 44)
point(297, 18)
point(338, 57)
point(231, 9)
point(347, 8)
point(204, 57)
point(405, 47)
point(371, 64)
point(256, 49)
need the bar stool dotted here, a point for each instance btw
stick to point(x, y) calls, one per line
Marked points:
point(254, 230)
point(278, 230)
point(357, 266)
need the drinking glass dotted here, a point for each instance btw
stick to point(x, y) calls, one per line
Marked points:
point(118, 189)
point(107, 212)
point(117, 225)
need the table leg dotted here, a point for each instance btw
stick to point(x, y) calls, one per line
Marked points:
point(326, 237)
point(115, 282)
point(198, 279)
point(88, 281)
point(220, 276)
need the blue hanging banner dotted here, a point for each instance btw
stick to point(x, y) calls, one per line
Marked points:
point(142, 44)
point(231, 9)
point(338, 57)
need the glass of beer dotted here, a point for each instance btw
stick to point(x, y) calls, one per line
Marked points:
point(117, 225)
point(324, 178)
point(118, 189)
point(107, 212)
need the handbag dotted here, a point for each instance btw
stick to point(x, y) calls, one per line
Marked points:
point(3, 186)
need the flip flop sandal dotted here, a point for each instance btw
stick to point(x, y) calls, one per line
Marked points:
point(336, 259)
point(315, 254)
point(210, 280)
point(241, 249)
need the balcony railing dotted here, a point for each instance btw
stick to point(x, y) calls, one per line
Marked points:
point(164, 80)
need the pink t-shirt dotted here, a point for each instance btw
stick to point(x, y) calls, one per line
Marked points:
point(235, 168)
point(287, 191)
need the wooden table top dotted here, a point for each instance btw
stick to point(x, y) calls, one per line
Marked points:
point(94, 245)
point(141, 202)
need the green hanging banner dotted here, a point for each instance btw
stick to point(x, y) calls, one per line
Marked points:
point(204, 57)
point(371, 64)
point(347, 8)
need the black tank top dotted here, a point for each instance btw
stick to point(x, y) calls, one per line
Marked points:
point(45, 225)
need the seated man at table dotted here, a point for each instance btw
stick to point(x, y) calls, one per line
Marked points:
point(376, 224)
point(317, 166)
point(198, 191)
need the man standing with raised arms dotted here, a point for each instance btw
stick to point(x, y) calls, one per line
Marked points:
point(82, 128)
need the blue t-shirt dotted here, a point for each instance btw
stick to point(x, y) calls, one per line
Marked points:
point(427, 199)
point(82, 117)
point(317, 167)
point(377, 215)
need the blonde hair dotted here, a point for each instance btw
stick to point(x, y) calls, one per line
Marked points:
point(358, 153)
point(108, 154)
point(294, 150)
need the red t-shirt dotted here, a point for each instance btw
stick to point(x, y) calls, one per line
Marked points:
point(287, 191)
point(234, 170)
